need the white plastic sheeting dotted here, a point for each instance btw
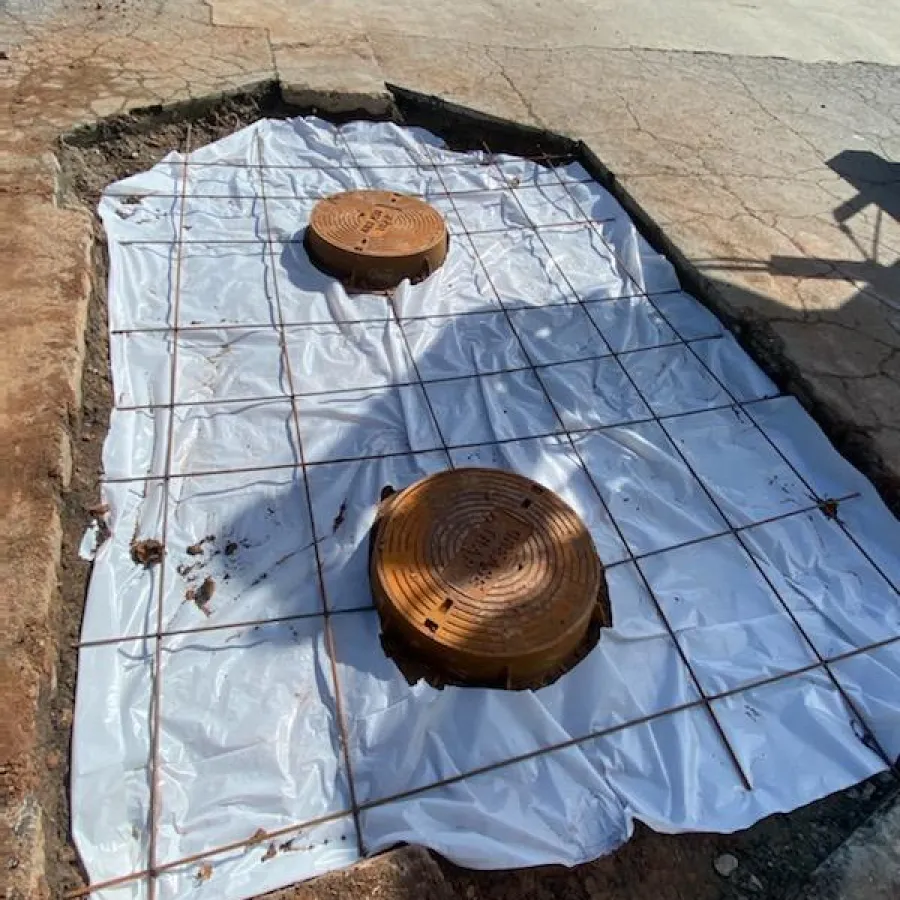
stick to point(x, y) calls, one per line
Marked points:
point(569, 350)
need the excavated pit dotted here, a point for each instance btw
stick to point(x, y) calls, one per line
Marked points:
point(114, 148)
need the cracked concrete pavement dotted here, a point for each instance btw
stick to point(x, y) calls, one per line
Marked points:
point(761, 137)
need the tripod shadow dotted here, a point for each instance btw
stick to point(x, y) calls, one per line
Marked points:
point(836, 348)
point(861, 218)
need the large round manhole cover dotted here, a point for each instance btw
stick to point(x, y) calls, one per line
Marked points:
point(375, 239)
point(485, 577)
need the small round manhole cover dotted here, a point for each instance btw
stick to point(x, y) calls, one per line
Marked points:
point(486, 577)
point(375, 239)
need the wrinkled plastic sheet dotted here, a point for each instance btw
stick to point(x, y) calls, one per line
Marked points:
point(248, 733)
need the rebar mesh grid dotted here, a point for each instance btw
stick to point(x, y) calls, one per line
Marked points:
point(271, 245)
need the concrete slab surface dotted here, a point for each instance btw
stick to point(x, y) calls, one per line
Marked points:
point(812, 31)
point(763, 138)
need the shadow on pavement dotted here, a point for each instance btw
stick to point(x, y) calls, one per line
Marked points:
point(838, 356)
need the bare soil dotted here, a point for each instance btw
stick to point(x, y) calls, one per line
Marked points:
point(775, 856)
point(80, 505)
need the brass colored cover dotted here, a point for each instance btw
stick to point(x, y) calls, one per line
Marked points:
point(487, 577)
point(375, 239)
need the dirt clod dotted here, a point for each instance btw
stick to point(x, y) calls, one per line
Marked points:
point(98, 514)
point(147, 553)
point(271, 853)
point(204, 873)
point(202, 595)
point(231, 548)
point(197, 549)
point(339, 518)
point(184, 570)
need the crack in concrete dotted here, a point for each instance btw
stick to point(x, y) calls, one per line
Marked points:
point(523, 99)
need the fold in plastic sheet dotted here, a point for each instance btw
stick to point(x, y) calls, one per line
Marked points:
point(519, 336)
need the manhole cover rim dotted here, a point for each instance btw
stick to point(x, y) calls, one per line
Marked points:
point(553, 632)
point(376, 237)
